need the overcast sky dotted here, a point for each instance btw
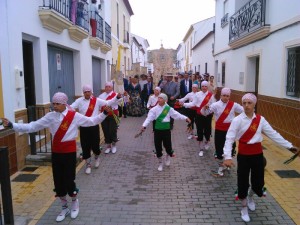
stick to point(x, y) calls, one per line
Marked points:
point(167, 21)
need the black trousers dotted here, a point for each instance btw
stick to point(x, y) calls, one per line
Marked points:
point(254, 165)
point(109, 127)
point(220, 138)
point(191, 114)
point(203, 124)
point(64, 172)
point(163, 137)
point(90, 140)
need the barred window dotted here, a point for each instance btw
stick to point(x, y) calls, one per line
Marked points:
point(293, 72)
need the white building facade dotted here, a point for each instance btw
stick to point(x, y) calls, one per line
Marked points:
point(139, 51)
point(48, 46)
point(256, 49)
point(203, 60)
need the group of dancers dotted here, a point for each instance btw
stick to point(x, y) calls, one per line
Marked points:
point(246, 128)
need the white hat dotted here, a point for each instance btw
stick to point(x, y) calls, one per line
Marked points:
point(110, 84)
point(250, 97)
point(87, 87)
point(225, 91)
point(158, 89)
point(60, 97)
point(204, 83)
point(163, 96)
point(195, 85)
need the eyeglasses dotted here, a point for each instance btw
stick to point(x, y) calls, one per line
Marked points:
point(54, 103)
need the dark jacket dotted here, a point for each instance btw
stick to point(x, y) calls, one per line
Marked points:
point(182, 87)
point(145, 92)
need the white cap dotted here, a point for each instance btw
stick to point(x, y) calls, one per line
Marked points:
point(163, 96)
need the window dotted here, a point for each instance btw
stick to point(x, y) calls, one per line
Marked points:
point(223, 74)
point(205, 67)
point(293, 72)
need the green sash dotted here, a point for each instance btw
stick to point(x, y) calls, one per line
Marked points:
point(159, 125)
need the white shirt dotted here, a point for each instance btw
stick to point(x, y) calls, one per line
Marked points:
point(52, 120)
point(186, 83)
point(82, 104)
point(189, 96)
point(241, 123)
point(198, 99)
point(218, 108)
point(114, 105)
point(152, 101)
point(142, 82)
point(157, 110)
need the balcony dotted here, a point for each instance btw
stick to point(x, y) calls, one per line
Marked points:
point(97, 38)
point(101, 33)
point(248, 24)
point(57, 15)
point(80, 19)
point(54, 15)
point(224, 20)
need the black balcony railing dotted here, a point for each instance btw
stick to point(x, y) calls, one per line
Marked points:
point(75, 11)
point(107, 34)
point(60, 6)
point(99, 32)
point(82, 16)
point(224, 20)
point(248, 19)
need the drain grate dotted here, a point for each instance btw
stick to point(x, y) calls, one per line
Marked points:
point(25, 178)
point(29, 169)
point(287, 173)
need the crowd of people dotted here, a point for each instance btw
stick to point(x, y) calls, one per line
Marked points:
point(189, 98)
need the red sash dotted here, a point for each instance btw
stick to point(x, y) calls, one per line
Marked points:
point(154, 105)
point(91, 107)
point(109, 98)
point(66, 146)
point(250, 149)
point(220, 125)
point(204, 102)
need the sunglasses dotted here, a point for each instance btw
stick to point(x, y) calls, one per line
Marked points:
point(54, 103)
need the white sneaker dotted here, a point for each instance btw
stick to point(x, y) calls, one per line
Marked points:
point(207, 145)
point(190, 137)
point(244, 215)
point(107, 150)
point(97, 162)
point(160, 167)
point(251, 203)
point(114, 149)
point(201, 153)
point(75, 209)
point(88, 169)
point(168, 160)
point(65, 212)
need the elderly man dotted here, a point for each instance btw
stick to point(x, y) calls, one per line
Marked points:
point(109, 125)
point(161, 113)
point(89, 105)
point(63, 125)
point(247, 128)
point(171, 89)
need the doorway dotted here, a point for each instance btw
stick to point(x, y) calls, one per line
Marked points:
point(28, 64)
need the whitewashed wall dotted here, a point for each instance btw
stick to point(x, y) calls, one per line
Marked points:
point(23, 22)
point(284, 21)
